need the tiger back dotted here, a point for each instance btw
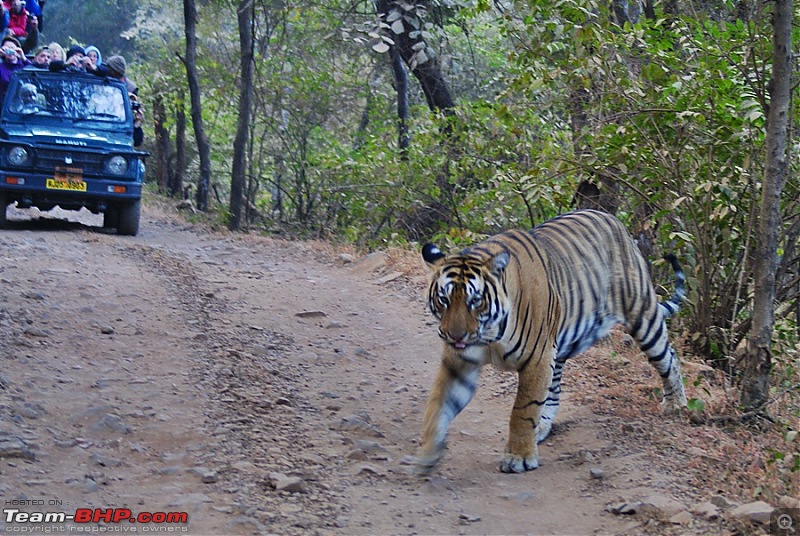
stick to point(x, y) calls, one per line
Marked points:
point(527, 301)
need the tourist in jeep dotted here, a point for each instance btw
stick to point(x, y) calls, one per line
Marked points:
point(28, 100)
point(93, 53)
point(42, 58)
point(13, 59)
point(76, 61)
point(22, 25)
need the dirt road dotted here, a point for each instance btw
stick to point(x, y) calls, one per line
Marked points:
point(262, 386)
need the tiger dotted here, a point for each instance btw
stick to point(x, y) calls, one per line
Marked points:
point(527, 301)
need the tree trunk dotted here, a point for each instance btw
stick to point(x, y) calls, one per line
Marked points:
point(180, 146)
point(410, 47)
point(758, 357)
point(429, 73)
point(401, 88)
point(162, 144)
point(240, 144)
point(203, 145)
point(600, 191)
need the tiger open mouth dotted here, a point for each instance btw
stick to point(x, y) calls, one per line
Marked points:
point(463, 345)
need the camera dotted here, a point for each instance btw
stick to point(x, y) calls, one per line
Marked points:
point(135, 105)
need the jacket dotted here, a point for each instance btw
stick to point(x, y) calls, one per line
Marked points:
point(17, 22)
point(7, 70)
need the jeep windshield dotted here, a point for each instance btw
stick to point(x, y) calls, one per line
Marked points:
point(85, 99)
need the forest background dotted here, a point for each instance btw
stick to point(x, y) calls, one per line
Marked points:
point(513, 112)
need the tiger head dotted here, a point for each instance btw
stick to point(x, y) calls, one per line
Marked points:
point(467, 294)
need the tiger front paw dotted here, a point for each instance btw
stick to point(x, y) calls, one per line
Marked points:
point(422, 465)
point(512, 463)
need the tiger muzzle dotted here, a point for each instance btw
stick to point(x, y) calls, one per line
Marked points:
point(459, 341)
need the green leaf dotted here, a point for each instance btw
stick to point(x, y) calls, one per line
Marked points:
point(393, 15)
point(695, 404)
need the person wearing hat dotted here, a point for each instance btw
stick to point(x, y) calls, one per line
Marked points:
point(93, 53)
point(116, 67)
point(73, 61)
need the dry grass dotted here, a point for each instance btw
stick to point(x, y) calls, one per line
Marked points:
point(716, 449)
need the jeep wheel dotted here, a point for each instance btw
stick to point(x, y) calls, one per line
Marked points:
point(3, 207)
point(110, 218)
point(128, 219)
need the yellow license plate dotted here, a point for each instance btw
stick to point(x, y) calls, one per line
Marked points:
point(62, 184)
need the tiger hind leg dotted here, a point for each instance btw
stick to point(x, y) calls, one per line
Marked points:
point(662, 356)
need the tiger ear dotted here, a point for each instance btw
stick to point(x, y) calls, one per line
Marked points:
point(432, 255)
point(498, 263)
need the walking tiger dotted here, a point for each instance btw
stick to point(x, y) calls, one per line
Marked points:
point(527, 301)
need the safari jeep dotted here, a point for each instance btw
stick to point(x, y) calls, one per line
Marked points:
point(66, 139)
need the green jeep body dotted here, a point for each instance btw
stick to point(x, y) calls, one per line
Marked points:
point(70, 144)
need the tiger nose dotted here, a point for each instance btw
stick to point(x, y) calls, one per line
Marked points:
point(455, 336)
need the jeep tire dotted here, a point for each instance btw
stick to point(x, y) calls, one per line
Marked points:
point(110, 218)
point(128, 218)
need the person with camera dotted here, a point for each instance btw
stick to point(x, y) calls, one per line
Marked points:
point(34, 7)
point(117, 67)
point(93, 53)
point(22, 25)
point(76, 61)
point(138, 119)
point(13, 59)
point(17, 18)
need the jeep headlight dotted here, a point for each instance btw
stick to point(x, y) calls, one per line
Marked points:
point(18, 156)
point(117, 165)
